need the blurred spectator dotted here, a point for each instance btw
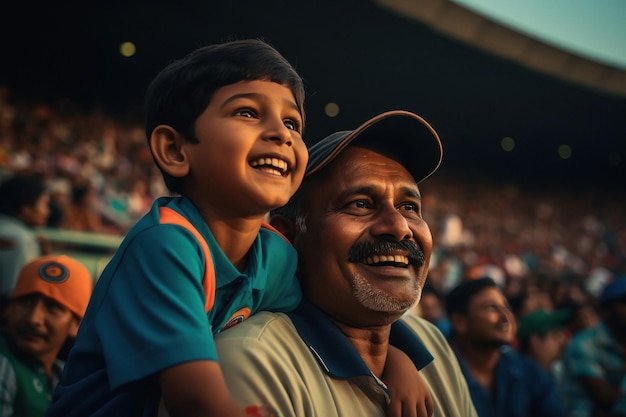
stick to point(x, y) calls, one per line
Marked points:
point(542, 337)
point(82, 211)
point(23, 205)
point(45, 308)
point(594, 361)
point(432, 308)
point(583, 315)
point(502, 382)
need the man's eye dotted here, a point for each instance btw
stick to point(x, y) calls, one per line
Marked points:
point(360, 204)
point(54, 307)
point(410, 207)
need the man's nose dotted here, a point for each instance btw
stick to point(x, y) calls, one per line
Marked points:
point(36, 312)
point(391, 222)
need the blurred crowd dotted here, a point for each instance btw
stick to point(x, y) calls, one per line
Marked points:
point(97, 167)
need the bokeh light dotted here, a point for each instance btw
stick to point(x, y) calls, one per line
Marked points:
point(128, 49)
point(507, 144)
point(331, 109)
point(565, 151)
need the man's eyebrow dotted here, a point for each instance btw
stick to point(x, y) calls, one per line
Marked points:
point(256, 96)
point(369, 190)
point(412, 192)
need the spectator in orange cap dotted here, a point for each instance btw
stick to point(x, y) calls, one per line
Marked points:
point(45, 308)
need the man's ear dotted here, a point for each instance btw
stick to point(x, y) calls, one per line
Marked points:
point(73, 329)
point(458, 322)
point(285, 226)
point(167, 147)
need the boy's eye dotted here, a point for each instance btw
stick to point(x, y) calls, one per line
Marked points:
point(245, 113)
point(291, 125)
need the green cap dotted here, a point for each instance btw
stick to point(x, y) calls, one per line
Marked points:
point(540, 321)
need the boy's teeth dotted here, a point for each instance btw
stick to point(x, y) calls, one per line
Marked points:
point(274, 162)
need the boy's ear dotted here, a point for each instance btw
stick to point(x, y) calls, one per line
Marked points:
point(284, 226)
point(167, 147)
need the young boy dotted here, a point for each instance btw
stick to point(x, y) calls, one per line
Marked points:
point(224, 126)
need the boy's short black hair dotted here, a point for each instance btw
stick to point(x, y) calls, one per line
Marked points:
point(19, 191)
point(458, 300)
point(179, 94)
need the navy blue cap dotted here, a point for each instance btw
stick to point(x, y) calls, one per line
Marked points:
point(400, 135)
point(614, 290)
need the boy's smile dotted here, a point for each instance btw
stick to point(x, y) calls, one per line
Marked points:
point(251, 157)
point(274, 166)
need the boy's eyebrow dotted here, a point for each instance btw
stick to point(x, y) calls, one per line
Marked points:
point(291, 104)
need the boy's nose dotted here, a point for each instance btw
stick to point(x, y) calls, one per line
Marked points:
point(277, 131)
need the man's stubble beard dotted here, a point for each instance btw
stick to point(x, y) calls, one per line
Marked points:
point(378, 300)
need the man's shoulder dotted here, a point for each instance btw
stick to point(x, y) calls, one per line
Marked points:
point(264, 324)
point(426, 331)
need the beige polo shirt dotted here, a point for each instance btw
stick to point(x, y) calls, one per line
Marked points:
point(266, 357)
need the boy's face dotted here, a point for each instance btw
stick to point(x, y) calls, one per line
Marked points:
point(251, 157)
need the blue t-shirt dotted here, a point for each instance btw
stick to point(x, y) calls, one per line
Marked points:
point(594, 353)
point(522, 389)
point(147, 311)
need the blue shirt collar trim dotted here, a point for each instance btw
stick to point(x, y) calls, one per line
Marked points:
point(334, 352)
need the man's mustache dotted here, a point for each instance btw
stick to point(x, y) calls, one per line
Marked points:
point(362, 250)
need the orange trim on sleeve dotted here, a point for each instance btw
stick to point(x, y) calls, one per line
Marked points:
point(169, 216)
point(273, 229)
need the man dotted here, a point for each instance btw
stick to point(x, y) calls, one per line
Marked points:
point(363, 250)
point(23, 205)
point(46, 306)
point(594, 361)
point(541, 337)
point(502, 382)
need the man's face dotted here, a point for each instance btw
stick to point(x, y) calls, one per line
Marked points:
point(430, 307)
point(39, 325)
point(549, 345)
point(489, 321)
point(37, 214)
point(367, 248)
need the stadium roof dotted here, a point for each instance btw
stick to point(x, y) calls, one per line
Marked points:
point(505, 104)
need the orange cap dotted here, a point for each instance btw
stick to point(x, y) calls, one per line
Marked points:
point(59, 277)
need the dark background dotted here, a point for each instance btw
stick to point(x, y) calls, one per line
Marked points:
point(354, 53)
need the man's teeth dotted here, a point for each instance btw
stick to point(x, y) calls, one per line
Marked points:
point(279, 164)
point(401, 259)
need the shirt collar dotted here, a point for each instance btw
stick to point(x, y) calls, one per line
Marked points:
point(334, 352)
point(224, 269)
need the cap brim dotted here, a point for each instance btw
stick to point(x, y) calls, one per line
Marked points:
point(399, 135)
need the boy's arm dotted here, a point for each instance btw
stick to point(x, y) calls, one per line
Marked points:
point(198, 389)
point(409, 393)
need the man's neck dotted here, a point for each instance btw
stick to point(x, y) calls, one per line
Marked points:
point(481, 361)
point(372, 344)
